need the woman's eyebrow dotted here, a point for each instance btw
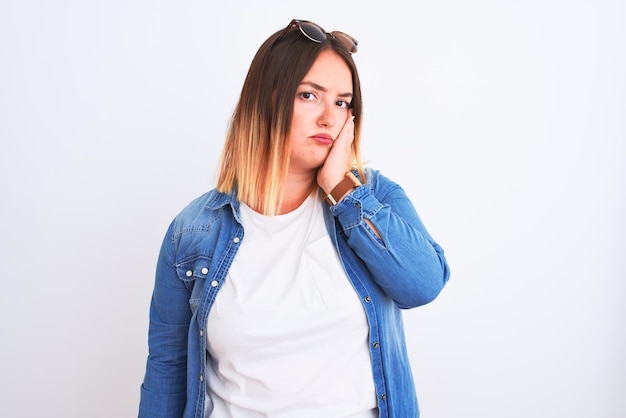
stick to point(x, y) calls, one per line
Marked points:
point(322, 88)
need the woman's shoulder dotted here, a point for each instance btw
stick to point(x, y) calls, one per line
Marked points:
point(202, 212)
point(375, 178)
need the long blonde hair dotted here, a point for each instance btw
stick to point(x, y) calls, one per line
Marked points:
point(256, 153)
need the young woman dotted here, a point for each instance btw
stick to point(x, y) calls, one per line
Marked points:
point(279, 293)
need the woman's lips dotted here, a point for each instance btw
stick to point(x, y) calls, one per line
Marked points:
point(323, 139)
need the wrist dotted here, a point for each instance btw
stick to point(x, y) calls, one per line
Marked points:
point(328, 185)
point(348, 183)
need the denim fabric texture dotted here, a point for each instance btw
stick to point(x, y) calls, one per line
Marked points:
point(404, 269)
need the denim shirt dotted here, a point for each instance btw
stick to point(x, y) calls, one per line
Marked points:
point(404, 268)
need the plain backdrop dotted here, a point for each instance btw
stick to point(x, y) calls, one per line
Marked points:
point(503, 120)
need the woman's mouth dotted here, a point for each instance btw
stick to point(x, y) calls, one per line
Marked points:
point(323, 139)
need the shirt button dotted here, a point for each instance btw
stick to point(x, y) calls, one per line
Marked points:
point(189, 273)
point(383, 397)
point(201, 333)
point(202, 379)
point(236, 240)
point(375, 345)
point(368, 299)
point(205, 270)
point(214, 283)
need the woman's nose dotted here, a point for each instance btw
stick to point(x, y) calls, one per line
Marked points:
point(327, 116)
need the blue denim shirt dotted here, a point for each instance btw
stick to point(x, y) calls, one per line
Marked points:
point(403, 269)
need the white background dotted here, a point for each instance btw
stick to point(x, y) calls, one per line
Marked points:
point(503, 120)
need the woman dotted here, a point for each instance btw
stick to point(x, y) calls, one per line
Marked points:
point(278, 294)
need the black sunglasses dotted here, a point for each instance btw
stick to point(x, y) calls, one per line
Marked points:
point(315, 33)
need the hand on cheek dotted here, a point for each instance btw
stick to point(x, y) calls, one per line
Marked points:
point(339, 160)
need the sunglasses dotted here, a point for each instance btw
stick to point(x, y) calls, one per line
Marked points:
point(315, 33)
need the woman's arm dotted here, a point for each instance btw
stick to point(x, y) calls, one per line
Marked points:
point(385, 231)
point(163, 392)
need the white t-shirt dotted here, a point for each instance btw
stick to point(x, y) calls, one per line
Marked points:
point(287, 334)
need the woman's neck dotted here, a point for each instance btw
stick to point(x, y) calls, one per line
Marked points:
point(297, 188)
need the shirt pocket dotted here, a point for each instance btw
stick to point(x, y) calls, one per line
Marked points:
point(193, 271)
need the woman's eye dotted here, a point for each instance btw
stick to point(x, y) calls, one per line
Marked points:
point(343, 104)
point(307, 95)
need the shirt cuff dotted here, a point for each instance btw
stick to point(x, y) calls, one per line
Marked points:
point(357, 205)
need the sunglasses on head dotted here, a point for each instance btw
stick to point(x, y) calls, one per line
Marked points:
point(315, 33)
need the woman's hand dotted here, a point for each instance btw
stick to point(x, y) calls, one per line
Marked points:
point(339, 159)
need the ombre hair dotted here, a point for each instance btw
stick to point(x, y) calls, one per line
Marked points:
point(256, 154)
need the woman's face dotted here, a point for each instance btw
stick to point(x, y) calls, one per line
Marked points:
point(319, 112)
